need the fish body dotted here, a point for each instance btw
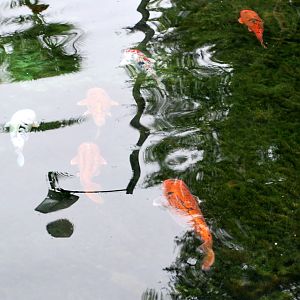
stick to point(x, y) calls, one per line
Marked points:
point(89, 161)
point(254, 23)
point(98, 105)
point(19, 127)
point(139, 60)
point(180, 198)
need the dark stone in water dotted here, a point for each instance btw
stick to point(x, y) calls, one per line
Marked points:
point(61, 228)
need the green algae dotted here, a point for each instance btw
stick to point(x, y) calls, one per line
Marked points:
point(249, 175)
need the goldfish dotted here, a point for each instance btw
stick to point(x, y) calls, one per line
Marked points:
point(180, 198)
point(254, 23)
point(19, 126)
point(89, 161)
point(98, 105)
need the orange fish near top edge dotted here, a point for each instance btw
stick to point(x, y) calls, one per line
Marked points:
point(254, 23)
point(180, 198)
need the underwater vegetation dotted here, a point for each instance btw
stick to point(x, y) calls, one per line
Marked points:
point(230, 129)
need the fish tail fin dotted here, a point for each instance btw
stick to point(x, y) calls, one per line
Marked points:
point(93, 187)
point(263, 44)
point(20, 158)
point(209, 256)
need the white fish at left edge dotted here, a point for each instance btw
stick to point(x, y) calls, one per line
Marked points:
point(19, 127)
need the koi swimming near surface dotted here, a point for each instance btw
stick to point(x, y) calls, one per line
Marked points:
point(19, 127)
point(141, 63)
point(180, 198)
point(98, 105)
point(89, 161)
point(254, 23)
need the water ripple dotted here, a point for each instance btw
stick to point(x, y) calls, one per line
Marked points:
point(182, 159)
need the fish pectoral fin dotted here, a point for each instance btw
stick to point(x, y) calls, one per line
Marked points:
point(249, 29)
point(240, 20)
point(82, 102)
point(74, 161)
point(160, 202)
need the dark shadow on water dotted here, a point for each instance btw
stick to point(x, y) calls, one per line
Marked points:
point(56, 200)
point(140, 101)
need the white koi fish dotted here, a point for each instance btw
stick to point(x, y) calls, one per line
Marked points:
point(19, 127)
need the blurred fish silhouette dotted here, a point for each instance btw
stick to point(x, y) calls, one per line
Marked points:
point(19, 127)
point(89, 161)
point(98, 105)
point(185, 204)
point(254, 23)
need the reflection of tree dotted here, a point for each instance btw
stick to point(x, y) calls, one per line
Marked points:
point(51, 125)
point(135, 122)
point(37, 49)
point(245, 122)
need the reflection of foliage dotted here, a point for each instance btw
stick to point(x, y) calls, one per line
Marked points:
point(247, 123)
point(44, 126)
point(38, 49)
point(151, 294)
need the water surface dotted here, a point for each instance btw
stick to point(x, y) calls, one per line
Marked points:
point(221, 113)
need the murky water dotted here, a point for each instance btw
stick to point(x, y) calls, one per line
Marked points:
point(203, 102)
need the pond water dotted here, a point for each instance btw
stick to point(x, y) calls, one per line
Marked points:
point(203, 102)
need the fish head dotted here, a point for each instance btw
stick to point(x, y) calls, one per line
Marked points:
point(170, 185)
point(22, 121)
point(128, 58)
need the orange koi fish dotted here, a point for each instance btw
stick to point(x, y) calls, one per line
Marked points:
point(89, 161)
point(98, 105)
point(254, 23)
point(180, 198)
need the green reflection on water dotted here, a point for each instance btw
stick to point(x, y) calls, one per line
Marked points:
point(36, 49)
point(244, 115)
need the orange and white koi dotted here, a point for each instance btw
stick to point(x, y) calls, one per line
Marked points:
point(180, 198)
point(254, 23)
point(98, 105)
point(89, 161)
point(139, 60)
